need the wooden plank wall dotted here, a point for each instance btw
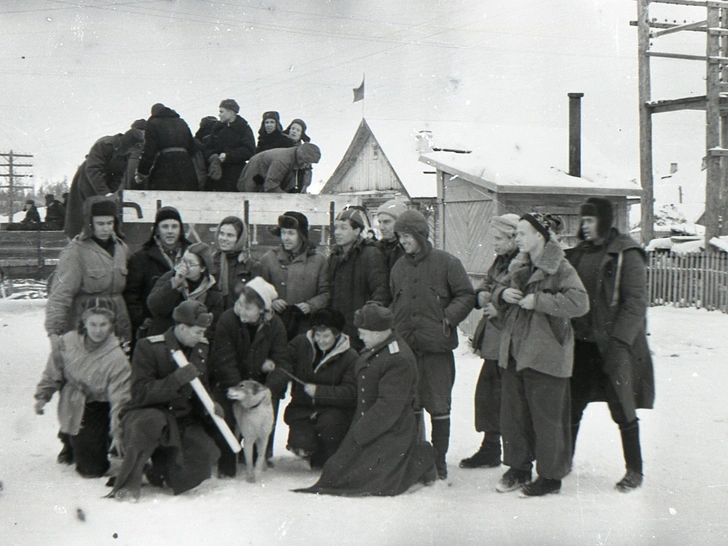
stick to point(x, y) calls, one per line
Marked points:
point(694, 280)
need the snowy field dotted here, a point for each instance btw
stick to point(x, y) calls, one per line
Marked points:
point(683, 501)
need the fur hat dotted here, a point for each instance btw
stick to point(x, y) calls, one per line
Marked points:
point(204, 253)
point(272, 114)
point(602, 210)
point(104, 207)
point(356, 214)
point(140, 124)
point(157, 108)
point(308, 153)
point(230, 104)
point(207, 122)
point(192, 313)
point(505, 223)
point(328, 318)
point(299, 121)
point(392, 208)
point(265, 290)
point(374, 317)
point(292, 220)
point(413, 222)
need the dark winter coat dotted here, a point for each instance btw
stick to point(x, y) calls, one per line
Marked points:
point(32, 216)
point(271, 171)
point(392, 251)
point(380, 454)
point(305, 279)
point(269, 141)
point(146, 266)
point(163, 299)
point(237, 142)
point(168, 150)
point(236, 357)
point(486, 339)
point(241, 269)
point(84, 271)
point(432, 295)
point(153, 384)
point(618, 312)
point(55, 215)
point(357, 276)
point(101, 173)
point(541, 338)
point(333, 376)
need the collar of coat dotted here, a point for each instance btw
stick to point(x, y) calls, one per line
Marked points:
point(424, 251)
point(342, 345)
point(357, 247)
point(547, 263)
point(369, 353)
point(239, 125)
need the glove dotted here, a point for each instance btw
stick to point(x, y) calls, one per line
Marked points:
point(186, 374)
point(215, 169)
point(39, 406)
point(268, 366)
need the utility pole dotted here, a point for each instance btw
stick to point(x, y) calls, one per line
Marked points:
point(12, 176)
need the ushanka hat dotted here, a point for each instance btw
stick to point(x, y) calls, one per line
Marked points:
point(230, 104)
point(601, 209)
point(192, 313)
point(292, 220)
point(104, 207)
point(328, 318)
point(374, 317)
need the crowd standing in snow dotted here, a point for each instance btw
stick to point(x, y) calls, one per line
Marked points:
point(365, 335)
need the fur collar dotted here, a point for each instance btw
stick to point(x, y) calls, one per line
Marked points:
point(342, 345)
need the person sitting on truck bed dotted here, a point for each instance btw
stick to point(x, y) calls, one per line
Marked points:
point(276, 171)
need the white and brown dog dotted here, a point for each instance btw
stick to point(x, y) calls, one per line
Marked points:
point(253, 412)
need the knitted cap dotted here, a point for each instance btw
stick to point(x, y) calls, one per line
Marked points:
point(602, 210)
point(292, 220)
point(308, 153)
point(374, 317)
point(356, 214)
point(204, 253)
point(265, 290)
point(392, 208)
point(328, 318)
point(413, 222)
point(230, 104)
point(167, 213)
point(192, 313)
point(505, 223)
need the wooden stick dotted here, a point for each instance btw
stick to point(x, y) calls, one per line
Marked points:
point(181, 360)
point(289, 374)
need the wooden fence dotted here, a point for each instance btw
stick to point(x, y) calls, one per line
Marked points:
point(694, 280)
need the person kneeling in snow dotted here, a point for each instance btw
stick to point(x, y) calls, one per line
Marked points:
point(381, 454)
point(92, 374)
point(164, 419)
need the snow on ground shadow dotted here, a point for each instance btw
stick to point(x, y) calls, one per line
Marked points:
point(682, 501)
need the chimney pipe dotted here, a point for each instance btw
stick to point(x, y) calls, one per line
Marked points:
point(575, 133)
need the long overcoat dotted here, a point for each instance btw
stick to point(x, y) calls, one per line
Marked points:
point(619, 313)
point(432, 295)
point(237, 142)
point(541, 338)
point(381, 454)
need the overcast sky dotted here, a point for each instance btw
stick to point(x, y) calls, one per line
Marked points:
point(74, 71)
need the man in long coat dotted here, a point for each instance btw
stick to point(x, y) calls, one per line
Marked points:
point(612, 361)
point(102, 173)
point(164, 419)
point(432, 294)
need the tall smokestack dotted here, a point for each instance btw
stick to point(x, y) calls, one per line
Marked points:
point(575, 133)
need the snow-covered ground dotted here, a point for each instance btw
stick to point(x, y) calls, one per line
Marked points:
point(683, 500)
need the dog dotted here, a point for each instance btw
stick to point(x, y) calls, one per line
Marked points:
point(253, 411)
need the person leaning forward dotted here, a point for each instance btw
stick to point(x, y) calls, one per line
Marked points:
point(165, 419)
point(274, 171)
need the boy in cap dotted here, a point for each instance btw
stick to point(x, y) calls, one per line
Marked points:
point(357, 270)
point(612, 360)
point(387, 215)
point(432, 295)
point(486, 343)
point(164, 419)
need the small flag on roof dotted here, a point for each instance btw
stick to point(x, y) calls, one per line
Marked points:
point(359, 91)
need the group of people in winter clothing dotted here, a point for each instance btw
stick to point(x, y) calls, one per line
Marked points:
point(161, 153)
point(559, 330)
point(366, 337)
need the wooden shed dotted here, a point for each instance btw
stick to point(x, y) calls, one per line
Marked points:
point(473, 188)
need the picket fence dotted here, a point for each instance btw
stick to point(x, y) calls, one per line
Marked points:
point(694, 280)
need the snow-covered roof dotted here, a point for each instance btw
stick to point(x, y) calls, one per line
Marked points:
point(524, 159)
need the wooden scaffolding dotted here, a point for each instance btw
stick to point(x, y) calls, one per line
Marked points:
point(714, 102)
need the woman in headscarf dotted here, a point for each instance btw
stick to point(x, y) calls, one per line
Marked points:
point(91, 373)
point(232, 261)
point(270, 134)
point(191, 279)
